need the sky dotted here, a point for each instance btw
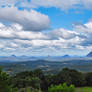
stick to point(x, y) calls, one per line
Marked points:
point(45, 27)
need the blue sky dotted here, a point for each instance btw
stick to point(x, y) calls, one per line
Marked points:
point(40, 27)
point(65, 19)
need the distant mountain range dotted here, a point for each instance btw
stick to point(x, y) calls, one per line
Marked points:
point(14, 58)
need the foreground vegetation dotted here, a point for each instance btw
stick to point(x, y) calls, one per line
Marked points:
point(36, 81)
point(84, 89)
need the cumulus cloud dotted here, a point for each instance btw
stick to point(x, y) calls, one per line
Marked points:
point(23, 31)
point(64, 33)
point(15, 31)
point(14, 38)
point(85, 30)
point(30, 20)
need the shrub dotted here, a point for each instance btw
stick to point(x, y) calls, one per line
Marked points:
point(62, 88)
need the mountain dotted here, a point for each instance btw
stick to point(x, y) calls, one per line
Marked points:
point(89, 54)
point(13, 56)
point(66, 56)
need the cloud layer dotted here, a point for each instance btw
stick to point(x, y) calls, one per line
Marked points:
point(62, 4)
point(30, 20)
point(22, 31)
point(56, 40)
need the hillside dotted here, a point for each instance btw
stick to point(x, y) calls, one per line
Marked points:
point(81, 64)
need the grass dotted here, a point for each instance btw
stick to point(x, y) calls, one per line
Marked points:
point(84, 89)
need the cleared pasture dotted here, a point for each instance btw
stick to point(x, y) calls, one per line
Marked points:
point(84, 89)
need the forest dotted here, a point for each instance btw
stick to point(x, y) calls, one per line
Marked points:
point(67, 80)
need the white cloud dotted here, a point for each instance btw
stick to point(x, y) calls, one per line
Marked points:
point(7, 2)
point(57, 40)
point(15, 31)
point(87, 4)
point(10, 2)
point(64, 33)
point(30, 20)
point(62, 4)
point(86, 31)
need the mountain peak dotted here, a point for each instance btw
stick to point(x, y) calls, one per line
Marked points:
point(66, 56)
point(89, 54)
point(13, 56)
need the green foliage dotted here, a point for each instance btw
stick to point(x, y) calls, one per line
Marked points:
point(71, 77)
point(38, 80)
point(62, 88)
point(89, 79)
point(4, 82)
point(39, 90)
point(28, 90)
point(35, 82)
point(34, 79)
point(84, 89)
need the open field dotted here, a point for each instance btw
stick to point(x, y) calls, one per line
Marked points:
point(84, 89)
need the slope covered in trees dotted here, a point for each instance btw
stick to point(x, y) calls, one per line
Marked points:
point(37, 81)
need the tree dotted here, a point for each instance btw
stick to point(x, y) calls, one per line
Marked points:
point(89, 79)
point(77, 78)
point(64, 76)
point(71, 76)
point(4, 82)
point(39, 73)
